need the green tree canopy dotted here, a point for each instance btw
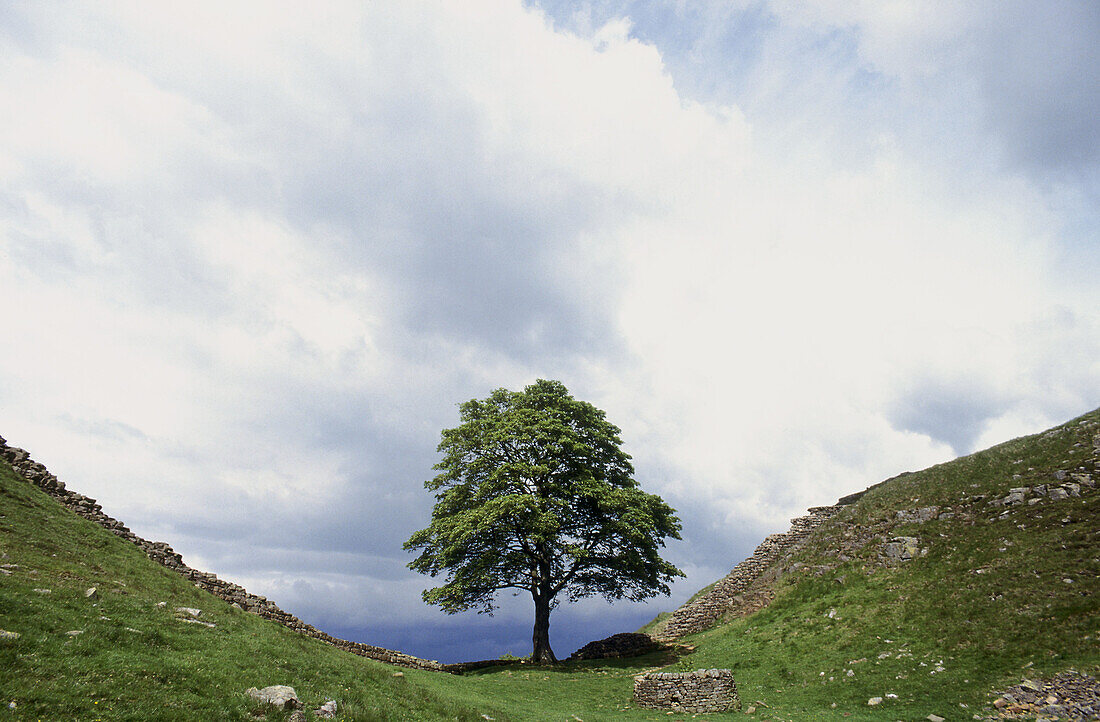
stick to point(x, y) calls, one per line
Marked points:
point(534, 493)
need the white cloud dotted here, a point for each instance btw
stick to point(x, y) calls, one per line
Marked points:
point(254, 258)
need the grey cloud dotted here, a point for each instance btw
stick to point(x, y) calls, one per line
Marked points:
point(103, 428)
point(952, 411)
point(1038, 68)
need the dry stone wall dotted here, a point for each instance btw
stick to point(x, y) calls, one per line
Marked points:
point(704, 690)
point(37, 474)
point(708, 608)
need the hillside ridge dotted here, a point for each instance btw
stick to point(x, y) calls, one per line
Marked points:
point(705, 609)
point(38, 475)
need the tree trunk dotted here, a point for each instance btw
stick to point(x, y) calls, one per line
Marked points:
point(542, 654)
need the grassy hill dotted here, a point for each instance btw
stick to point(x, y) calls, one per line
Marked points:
point(992, 594)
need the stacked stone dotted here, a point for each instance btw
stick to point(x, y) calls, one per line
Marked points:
point(704, 690)
point(163, 554)
point(625, 644)
point(705, 610)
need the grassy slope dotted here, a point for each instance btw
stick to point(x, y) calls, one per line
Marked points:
point(985, 604)
point(892, 626)
point(135, 660)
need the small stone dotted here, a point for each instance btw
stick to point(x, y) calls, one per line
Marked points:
point(750, 710)
point(190, 611)
point(43, 591)
point(9, 635)
point(75, 632)
point(398, 674)
point(296, 716)
point(874, 701)
point(91, 593)
point(326, 711)
point(934, 718)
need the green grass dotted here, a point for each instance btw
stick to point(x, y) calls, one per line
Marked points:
point(987, 604)
point(137, 661)
point(933, 631)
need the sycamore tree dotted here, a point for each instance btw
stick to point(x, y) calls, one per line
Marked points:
point(535, 494)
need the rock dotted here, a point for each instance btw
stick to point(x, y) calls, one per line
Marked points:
point(398, 674)
point(75, 632)
point(918, 516)
point(326, 711)
point(297, 716)
point(626, 644)
point(934, 718)
point(4, 634)
point(903, 548)
point(874, 701)
point(189, 611)
point(1058, 493)
point(278, 695)
point(91, 593)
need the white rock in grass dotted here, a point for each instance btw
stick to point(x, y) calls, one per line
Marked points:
point(278, 695)
point(873, 701)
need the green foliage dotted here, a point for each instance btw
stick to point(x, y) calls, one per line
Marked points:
point(534, 493)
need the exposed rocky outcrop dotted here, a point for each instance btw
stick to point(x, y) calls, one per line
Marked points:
point(1067, 696)
point(163, 554)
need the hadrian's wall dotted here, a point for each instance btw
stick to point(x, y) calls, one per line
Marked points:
point(708, 608)
point(38, 475)
point(704, 690)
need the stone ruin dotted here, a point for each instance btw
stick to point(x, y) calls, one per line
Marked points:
point(37, 474)
point(704, 690)
point(625, 644)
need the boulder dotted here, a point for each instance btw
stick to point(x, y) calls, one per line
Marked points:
point(278, 695)
point(903, 548)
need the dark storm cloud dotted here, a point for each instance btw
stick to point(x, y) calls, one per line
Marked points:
point(952, 411)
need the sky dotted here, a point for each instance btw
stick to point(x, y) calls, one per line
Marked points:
point(254, 255)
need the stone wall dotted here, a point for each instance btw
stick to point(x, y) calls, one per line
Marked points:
point(704, 690)
point(38, 475)
point(703, 611)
